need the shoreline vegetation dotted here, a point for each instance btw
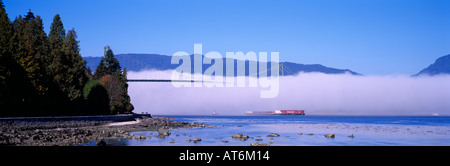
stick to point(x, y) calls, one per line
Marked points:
point(38, 132)
point(45, 75)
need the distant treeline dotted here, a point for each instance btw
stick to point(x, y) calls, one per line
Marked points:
point(43, 75)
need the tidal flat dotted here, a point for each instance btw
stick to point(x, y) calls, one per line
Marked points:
point(232, 131)
point(302, 131)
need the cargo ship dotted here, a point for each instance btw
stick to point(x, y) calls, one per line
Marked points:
point(277, 112)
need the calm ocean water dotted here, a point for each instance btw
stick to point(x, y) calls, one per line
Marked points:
point(367, 131)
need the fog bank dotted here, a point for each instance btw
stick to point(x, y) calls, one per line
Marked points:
point(316, 93)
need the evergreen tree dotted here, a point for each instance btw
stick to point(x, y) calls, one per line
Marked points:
point(54, 63)
point(6, 62)
point(125, 104)
point(29, 16)
point(15, 88)
point(100, 70)
point(32, 49)
point(5, 54)
point(112, 64)
point(75, 77)
point(57, 29)
point(5, 30)
point(29, 47)
point(108, 64)
point(89, 73)
point(42, 75)
point(56, 41)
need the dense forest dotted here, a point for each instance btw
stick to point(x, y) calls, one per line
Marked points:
point(43, 75)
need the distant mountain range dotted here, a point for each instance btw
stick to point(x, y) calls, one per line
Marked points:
point(440, 66)
point(139, 62)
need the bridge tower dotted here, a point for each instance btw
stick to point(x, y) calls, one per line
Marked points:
point(281, 69)
point(105, 48)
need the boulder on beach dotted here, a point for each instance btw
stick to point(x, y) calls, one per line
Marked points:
point(240, 136)
point(237, 135)
point(244, 137)
point(100, 143)
point(331, 135)
point(273, 135)
point(195, 140)
point(141, 136)
point(163, 132)
point(258, 144)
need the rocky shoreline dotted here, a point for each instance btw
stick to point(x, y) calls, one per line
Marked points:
point(74, 133)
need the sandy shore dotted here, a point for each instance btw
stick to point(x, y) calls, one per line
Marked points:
point(123, 123)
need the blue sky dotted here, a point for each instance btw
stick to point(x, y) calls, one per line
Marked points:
point(372, 37)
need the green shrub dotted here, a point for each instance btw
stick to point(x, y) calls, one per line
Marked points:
point(96, 97)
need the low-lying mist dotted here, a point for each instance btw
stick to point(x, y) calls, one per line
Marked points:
point(316, 93)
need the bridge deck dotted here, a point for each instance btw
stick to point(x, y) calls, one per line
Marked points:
point(159, 80)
